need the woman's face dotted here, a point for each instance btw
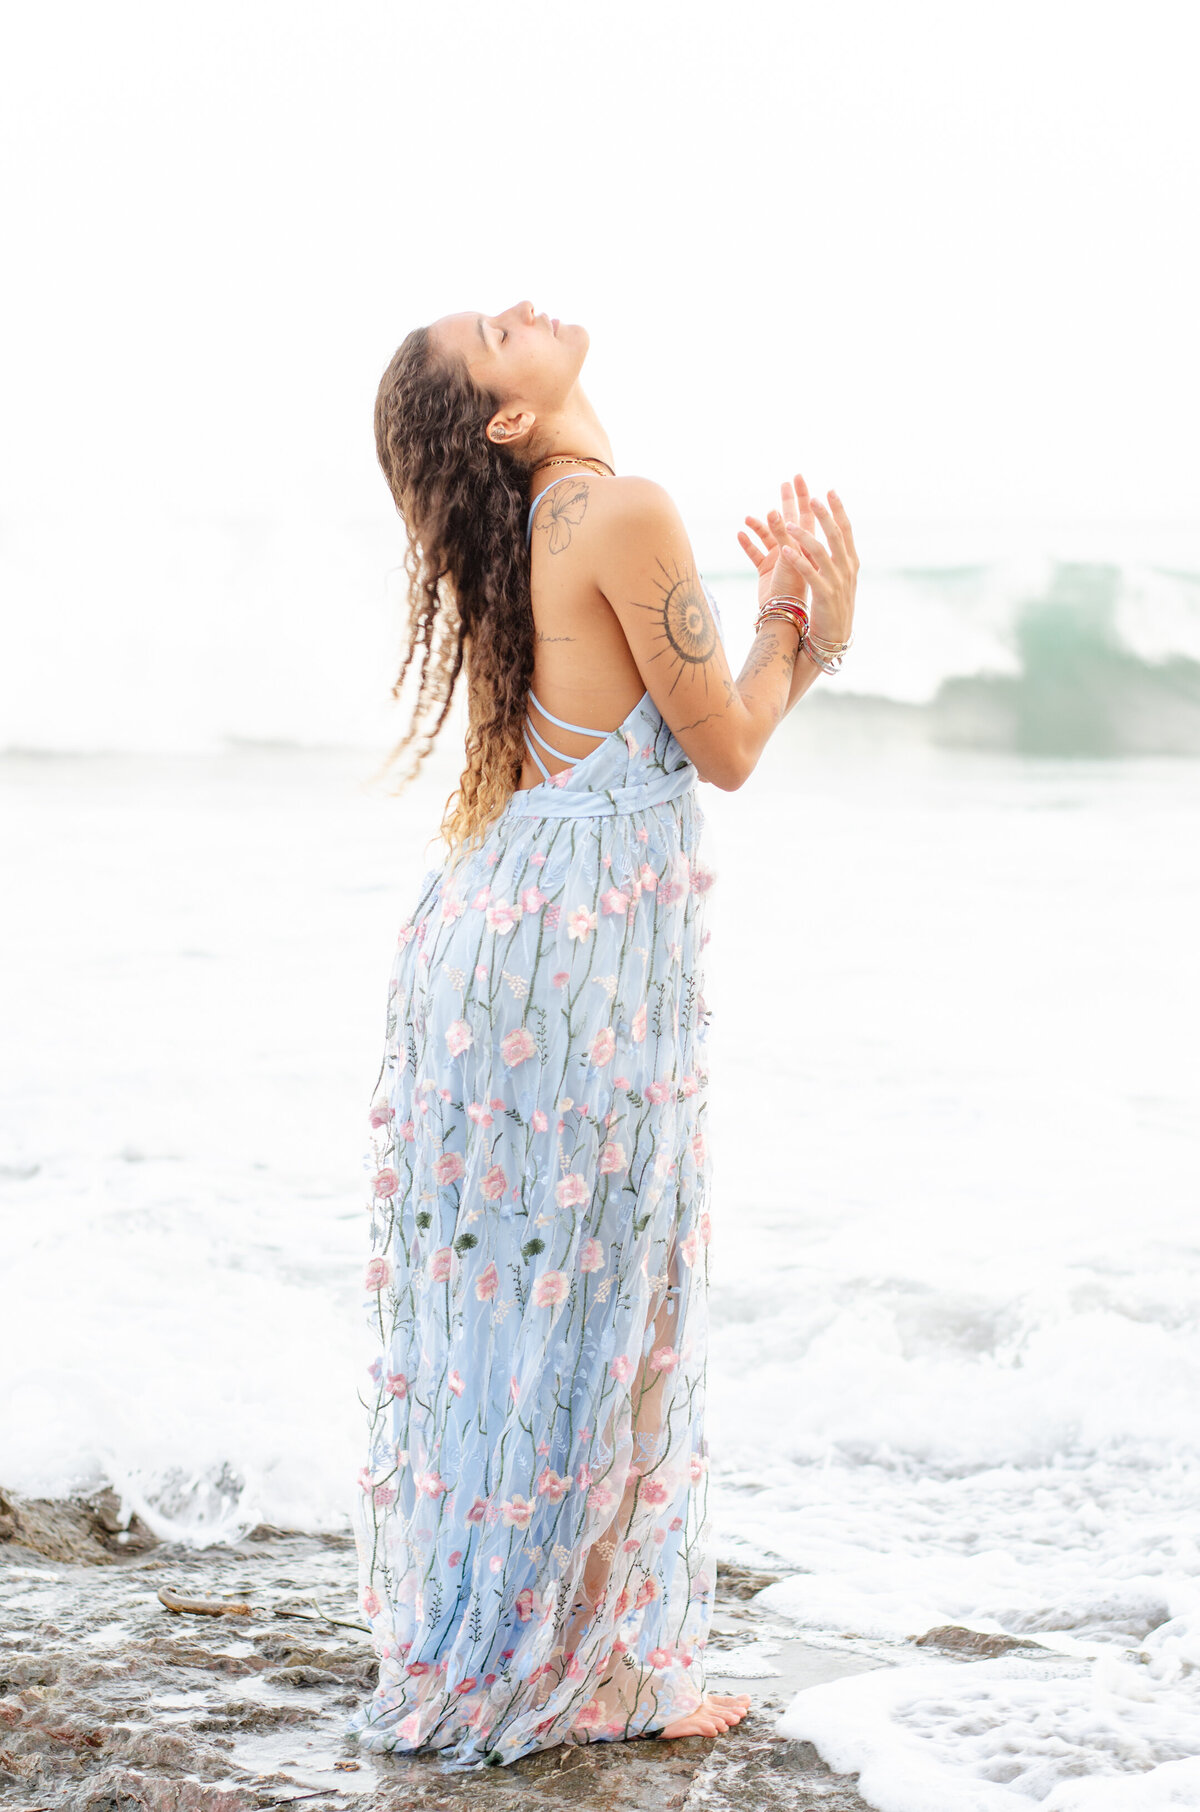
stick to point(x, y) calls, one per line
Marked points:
point(526, 359)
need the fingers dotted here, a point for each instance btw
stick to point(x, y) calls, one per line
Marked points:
point(802, 539)
point(843, 522)
point(788, 495)
point(748, 547)
point(833, 533)
point(761, 530)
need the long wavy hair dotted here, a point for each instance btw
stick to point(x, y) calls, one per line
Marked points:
point(463, 501)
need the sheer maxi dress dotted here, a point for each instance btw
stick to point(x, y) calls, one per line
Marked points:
point(533, 1542)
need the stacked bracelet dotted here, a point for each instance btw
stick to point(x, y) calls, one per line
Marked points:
point(783, 609)
point(828, 656)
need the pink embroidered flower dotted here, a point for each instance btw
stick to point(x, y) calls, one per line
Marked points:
point(517, 1046)
point(449, 1167)
point(479, 1113)
point(494, 1184)
point(613, 900)
point(631, 1545)
point(481, 972)
point(562, 777)
point(583, 1477)
point(572, 1191)
point(676, 1522)
point(646, 1593)
point(488, 1282)
point(397, 1384)
point(514, 1389)
point(620, 1081)
point(603, 1046)
point(580, 922)
point(516, 1511)
point(702, 879)
point(664, 1359)
point(430, 1483)
point(591, 1255)
point(688, 1086)
point(705, 1227)
point(659, 1657)
point(537, 859)
point(467, 1685)
point(637, 1028)
point(384, 1495)
point(452, 908)
point(550, 1287)
point(621, 1369)
point(612, 1157)
point(477, 1511)
point(591, 1715)
point(647, 876)
point(408, 1131)
point(370, 1602)
point(458, 1036)
point(455, 1383)
point(496, 1562)
point(653, 1491)
point(643, 834)
point(455, 1557)
point(441, 1264)
point(379, 1274)
point(538, 1120)
point(501, 916)
point(386, 1183)
point(689, 1248)
point(696, 1466)
point(407, 933)
point(560, 978)
point(381, 1113)
point(481, 899)
point(658, 1091)
point(601, 1497)
point(533, 899)
point(554, 1485)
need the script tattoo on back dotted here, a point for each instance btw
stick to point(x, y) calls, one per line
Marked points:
point(563, 510)
point(687, 633)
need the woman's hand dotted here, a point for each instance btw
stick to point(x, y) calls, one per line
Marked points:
point(796, 556)
point(797, 511)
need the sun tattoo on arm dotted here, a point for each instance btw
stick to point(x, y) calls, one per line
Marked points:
point(687, 633)
point(564, 510)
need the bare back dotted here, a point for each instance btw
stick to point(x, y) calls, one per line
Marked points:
point(584, 670)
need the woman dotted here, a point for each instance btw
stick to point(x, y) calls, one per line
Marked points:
point(531, 1524)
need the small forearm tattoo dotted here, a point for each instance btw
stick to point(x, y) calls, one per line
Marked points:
point(563, 511)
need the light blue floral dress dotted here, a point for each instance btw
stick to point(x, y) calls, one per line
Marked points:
point(533, 1543)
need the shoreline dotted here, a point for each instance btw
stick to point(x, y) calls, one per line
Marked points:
point(108, 1697)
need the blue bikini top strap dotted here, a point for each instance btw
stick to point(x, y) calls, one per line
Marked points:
point(562, 723)
point(538, 499)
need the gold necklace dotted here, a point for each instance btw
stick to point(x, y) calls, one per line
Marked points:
point(574, 459)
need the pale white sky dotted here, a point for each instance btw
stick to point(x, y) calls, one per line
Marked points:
point(941, 255)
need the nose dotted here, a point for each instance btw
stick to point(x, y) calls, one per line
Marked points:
point(524, 311)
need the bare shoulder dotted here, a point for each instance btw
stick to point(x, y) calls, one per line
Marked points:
point(633, 503)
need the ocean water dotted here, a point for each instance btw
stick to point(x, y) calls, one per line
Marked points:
point(955, 1362)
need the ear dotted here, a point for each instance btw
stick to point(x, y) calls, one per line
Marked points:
point(511, 428)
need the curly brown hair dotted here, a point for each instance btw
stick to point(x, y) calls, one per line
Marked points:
point(463, 501)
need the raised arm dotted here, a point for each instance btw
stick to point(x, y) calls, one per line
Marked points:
point(644, 565)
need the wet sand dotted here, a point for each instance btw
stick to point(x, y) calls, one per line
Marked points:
point(108, 1699)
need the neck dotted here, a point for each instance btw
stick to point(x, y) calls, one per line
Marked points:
point(576, 429)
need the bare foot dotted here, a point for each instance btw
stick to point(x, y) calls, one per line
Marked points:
point(715, 1713)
